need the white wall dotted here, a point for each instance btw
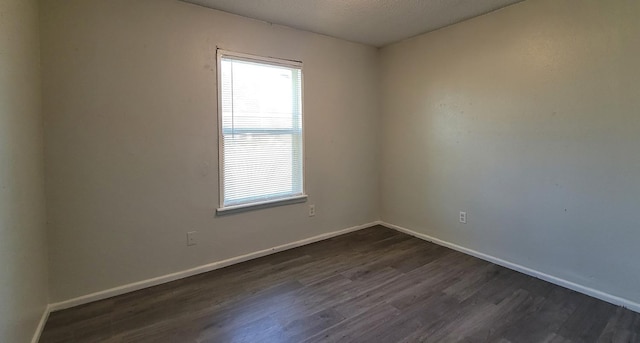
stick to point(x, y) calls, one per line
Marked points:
point(23, 266)
point(528, 119)
point(130, 117)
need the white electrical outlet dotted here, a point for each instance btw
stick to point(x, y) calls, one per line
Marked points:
point(312, 210)
point(191, 238)
point(463, 217)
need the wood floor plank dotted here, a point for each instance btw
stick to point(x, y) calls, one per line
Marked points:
point(623, 326)
point(373, 285)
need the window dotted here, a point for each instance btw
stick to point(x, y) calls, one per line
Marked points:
point(260, 138)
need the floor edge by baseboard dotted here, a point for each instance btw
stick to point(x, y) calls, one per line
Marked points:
point(132, 287)
point(634, 306)
point(41, 324)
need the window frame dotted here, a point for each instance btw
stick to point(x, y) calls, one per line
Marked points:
point(230, 209)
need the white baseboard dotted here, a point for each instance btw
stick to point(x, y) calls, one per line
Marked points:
point(634, 306)
point(41, 324)
point(197, 270)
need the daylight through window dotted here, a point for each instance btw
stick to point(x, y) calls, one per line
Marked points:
point(261, 143)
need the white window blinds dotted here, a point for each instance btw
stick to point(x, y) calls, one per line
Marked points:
point(260, 130)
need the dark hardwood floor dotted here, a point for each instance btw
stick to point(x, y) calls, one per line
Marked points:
point(374, 285)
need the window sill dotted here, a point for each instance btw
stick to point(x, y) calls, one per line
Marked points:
point(223, 211)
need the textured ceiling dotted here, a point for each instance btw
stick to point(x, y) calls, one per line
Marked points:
point(373, 22)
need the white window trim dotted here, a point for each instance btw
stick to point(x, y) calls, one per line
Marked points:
point(224, 210)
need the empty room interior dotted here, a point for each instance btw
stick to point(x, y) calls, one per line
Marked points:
point(319, 171)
